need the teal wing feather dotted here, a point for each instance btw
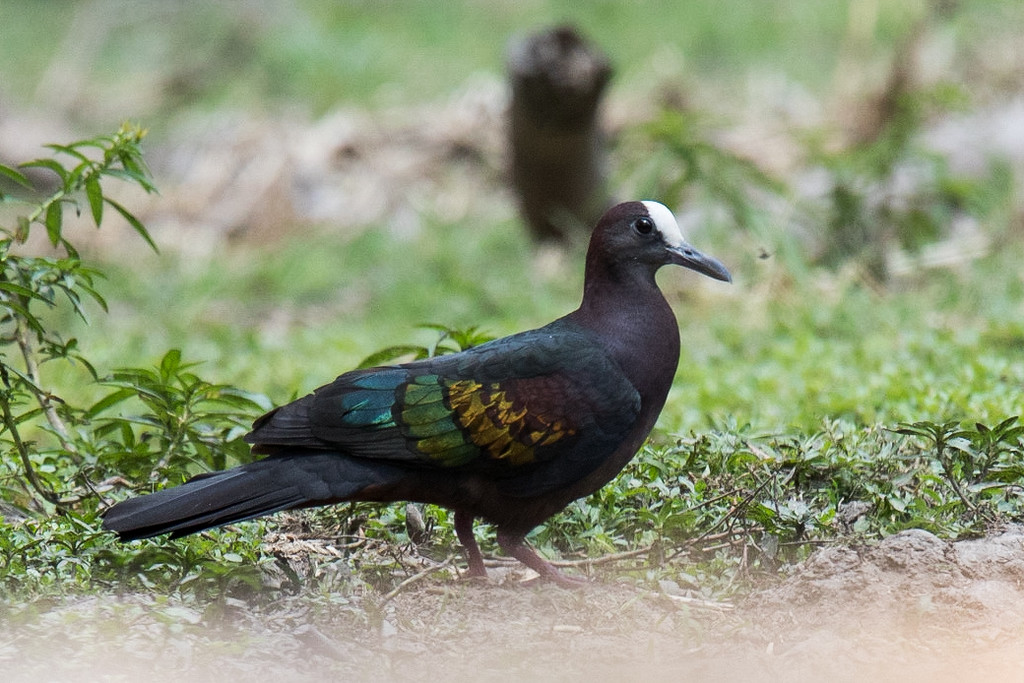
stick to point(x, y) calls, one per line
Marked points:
point(526, 401)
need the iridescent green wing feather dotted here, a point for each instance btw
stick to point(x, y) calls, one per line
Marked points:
point(502, 407)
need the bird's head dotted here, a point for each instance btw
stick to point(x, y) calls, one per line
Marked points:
point(646, 235)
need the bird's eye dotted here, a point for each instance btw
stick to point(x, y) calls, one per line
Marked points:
point(644, 226)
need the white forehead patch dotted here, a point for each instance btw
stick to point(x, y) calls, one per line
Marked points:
point(665, 222)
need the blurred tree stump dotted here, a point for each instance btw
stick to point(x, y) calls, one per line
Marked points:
point(558, 149)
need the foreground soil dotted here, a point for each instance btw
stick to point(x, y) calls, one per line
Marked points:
point(911, 608)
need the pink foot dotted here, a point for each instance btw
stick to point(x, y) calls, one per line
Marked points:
point(515, 545)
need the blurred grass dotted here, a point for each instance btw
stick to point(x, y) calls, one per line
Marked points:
point(288, 318)
point(163, 57)
point(782, 347)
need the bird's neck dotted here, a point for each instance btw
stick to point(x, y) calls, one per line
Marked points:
point(629, 314)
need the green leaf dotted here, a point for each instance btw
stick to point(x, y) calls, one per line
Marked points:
point(54, 222)
point(16, 176)
point(242, 400)
point(23, 313)
point(84, 362)
point(23, 291)
point(94, 294)
point(95, 195)
point(108, 401)
point(140, 180)
point(391, 353)
point(134, 222)
point(51, 165)
point(70, 151)
point(170, 363)
point(1006, 424)
point(960, 444)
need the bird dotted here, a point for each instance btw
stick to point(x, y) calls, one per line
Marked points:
point(510, 431)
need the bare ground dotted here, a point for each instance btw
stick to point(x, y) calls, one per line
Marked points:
point(911, 608)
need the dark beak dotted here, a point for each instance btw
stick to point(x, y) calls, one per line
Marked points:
point(686, 256)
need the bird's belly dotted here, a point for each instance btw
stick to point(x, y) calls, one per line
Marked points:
point(485, 497)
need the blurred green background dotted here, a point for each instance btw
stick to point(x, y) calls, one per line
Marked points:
point(806, 331)
point(320, 55)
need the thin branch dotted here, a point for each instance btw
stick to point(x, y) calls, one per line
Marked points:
point(604, 559)
point(951, 479)
point(390, 595)
point(40, 210)
point(742, 504)
point(42, 398)
point(12, 427)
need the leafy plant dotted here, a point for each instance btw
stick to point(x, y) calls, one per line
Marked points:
point(153, 425)
point(37, 423)
point(449, 340)
point(977, 463)
point(188, 425)
point(756, 501)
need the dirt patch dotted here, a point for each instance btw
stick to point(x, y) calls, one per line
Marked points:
point(910, 608)
point(913, 607)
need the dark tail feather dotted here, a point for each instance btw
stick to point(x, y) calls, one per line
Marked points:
point(277, 483)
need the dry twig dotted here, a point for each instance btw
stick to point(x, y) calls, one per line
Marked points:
point(390, 595)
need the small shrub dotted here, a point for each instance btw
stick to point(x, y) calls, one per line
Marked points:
point(154, 426)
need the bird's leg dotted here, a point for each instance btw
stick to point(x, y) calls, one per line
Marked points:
point(464, 530)
point(515, 545)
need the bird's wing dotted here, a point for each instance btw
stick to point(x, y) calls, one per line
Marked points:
point(503, 408)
